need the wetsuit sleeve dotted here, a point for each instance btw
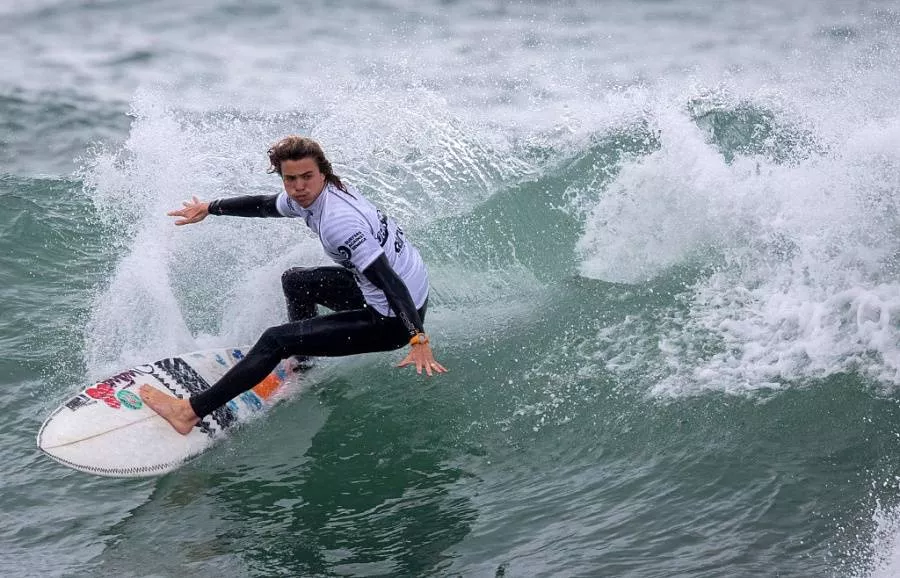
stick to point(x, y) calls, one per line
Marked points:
point(380, 273)
point(246, 206)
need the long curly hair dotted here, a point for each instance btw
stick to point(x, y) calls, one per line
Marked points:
point(295, 148)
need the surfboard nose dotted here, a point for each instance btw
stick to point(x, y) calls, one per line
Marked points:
point(108, 430)
point(96, 439)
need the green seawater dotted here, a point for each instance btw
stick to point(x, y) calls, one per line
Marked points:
point(529, 457)
point(662, 246)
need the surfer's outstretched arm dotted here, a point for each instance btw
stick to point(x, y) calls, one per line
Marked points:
point(196, 210)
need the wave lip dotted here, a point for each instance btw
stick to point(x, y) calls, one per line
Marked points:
point(793, 242)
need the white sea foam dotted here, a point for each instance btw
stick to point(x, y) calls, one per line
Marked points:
point(878, 555)
point(804, 252)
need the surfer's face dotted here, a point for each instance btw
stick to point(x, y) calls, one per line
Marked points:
point(303, 181)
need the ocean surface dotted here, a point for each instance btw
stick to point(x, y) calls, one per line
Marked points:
point(664, 243)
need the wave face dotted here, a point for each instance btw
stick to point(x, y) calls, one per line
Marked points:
point(662, 240)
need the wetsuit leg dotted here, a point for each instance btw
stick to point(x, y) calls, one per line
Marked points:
point(305, 288)
point(332, 287)
point(336, 334)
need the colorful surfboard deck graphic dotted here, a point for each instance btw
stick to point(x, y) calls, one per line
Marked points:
point(107, 429)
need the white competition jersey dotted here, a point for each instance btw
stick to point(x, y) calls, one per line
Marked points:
point(354, 233)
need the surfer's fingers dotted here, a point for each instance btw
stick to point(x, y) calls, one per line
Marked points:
point(428, 364)
point(436, 368)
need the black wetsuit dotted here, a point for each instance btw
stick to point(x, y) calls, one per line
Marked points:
point(355, 326)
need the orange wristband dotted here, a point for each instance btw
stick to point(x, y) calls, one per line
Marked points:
point(418, 339)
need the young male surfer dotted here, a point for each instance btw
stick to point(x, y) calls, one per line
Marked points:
point(379, 294)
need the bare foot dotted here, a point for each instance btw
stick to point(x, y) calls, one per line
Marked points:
point(177, 412)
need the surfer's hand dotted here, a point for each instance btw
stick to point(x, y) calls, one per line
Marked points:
point(420, 354)
point(194, 211)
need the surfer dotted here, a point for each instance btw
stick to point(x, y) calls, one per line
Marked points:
point(378, 294)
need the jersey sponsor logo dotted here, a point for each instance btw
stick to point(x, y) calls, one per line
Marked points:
point(399, 240)
point(355, 240)
point(344, 259)
point(382, 234)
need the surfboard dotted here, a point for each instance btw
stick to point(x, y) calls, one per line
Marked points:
point(107, 430)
